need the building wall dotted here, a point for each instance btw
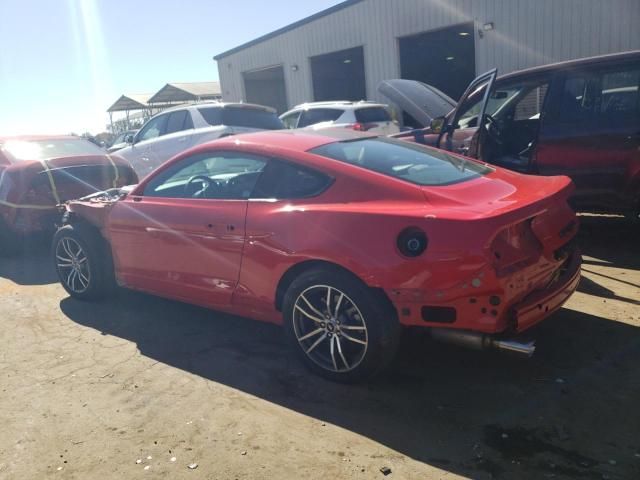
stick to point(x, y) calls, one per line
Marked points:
point(527, 33)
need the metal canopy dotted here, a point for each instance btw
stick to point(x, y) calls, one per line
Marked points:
point(187, 92)
point(131, 102)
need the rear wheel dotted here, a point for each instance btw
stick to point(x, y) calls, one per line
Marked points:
point(82, 262)
point(339, 326)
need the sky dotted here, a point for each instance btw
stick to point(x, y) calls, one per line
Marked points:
point(64, 62)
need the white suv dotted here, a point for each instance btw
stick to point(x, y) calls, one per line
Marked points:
point(361, 116)
point(177, 129)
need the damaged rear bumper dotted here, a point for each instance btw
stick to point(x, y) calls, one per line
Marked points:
point(541, 303)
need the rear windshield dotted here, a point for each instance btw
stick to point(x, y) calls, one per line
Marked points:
point(372, 114)
point(45, 149)
point(404, 160)
point(242, 117)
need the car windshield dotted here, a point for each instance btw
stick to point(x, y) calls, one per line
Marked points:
point(403, 160)
point(45, 149)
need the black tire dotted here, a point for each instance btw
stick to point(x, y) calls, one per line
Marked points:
point(359, 307)
point(94, 278)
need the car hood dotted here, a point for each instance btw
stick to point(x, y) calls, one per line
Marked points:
point(423, 102)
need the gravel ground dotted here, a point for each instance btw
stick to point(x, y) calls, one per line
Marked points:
point(139, 387)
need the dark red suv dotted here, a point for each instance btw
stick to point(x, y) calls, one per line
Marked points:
point(579, 118)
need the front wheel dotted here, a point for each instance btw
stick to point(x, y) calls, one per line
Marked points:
point(82, 262)
point(341, 329)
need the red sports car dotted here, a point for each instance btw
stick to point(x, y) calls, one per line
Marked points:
point(341, 237)
point(39, 172)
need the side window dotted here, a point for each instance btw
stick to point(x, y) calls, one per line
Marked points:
point(251, 118)
point(284, 180)
point(529, 106)
point(215, 175)
point(373, 114)
point(318, 115)
point(176, 121)
point(619, 97)
point(471, 107)
point(576, 101)
point(154, 128)
point(291, 120)
point(607, 96)
point(213, 116)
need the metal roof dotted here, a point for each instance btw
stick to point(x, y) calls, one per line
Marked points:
point(131, 102)
point(185, 92)
point(288, 28)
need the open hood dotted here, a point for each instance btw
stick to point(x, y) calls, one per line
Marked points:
point(423, 102)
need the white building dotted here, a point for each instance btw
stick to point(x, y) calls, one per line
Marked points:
point(344, 52)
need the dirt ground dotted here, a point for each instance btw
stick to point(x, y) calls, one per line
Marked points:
point(121, 388)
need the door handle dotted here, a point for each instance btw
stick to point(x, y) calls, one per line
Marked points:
point(182, 139)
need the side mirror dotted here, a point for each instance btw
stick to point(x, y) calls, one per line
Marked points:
point(437, 124)
point(129, 139)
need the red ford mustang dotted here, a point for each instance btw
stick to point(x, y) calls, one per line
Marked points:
point(341, 237)
point(39, 172)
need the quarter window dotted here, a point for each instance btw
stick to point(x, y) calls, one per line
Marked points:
point(215, 175)
point(373, 114)
point(291, 120)
point(319, 115)
point(213, 116)
point(284, 180)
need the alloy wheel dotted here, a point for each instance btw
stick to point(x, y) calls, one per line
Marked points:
point(73, 265)
point(330, 328)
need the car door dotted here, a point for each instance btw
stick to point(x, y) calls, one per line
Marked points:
point(178, 137)
point(462, 135)
point(181, 234)
point(592, 134)
point(141, 153)
point(273, 225)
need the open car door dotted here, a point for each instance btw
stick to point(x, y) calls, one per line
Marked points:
point(465, 137)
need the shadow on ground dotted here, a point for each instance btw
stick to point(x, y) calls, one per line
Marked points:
point(610, 241)
point(32, 265)
point(570, 412)
point(475, 414)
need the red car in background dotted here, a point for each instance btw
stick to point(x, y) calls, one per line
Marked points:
point(341, 237)
point(39, 172)
point(579, 118)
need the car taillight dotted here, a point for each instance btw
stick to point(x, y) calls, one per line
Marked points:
point(363, 127)
point(514, 245)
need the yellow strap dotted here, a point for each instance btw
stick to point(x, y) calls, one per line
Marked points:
point(115, 171)
point(54, 191)
point(35, 207)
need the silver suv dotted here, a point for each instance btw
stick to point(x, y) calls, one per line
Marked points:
point(177, 129)
point(361, 116)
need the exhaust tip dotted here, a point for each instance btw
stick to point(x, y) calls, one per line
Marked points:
point(526, 349)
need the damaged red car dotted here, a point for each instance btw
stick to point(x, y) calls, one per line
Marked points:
point(39, 172)
point(343, 238)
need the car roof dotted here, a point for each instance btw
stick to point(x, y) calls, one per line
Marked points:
point(297, 140)
point(248, 106)
point(571, 64)
point(344, 104)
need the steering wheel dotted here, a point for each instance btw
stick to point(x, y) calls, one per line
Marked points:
point(494, 130)
point(206, 185)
